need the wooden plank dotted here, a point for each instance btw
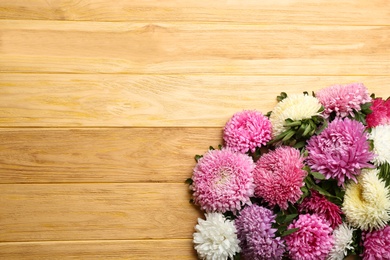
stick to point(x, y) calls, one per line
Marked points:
point(251, 11)
point(129, 249)
point(182, 48)
point(102, 155)
point(62, 100)
point(41, 212)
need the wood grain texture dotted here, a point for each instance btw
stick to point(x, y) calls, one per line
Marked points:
point(374, 12)
point(102, 155)
point(103, 105)
point(116, 249)
point(63, 100)
point(182, 48)
point(42, 212)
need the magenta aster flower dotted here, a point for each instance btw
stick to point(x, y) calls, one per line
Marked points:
point(313, 240)
point(278, 176)
point(318, 204)
point(256, 235)
point(343, 99)
point(223, 181)
point(380, 113)
point(376, 244)
point(247, 130)
point(340, 151)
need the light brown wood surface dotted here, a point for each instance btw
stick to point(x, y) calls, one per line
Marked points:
point(103, 105)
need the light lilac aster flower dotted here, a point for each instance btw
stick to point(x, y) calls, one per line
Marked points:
point(278, 176)
point(223, 181)
point(313, 240)
point(247, 130)
point(256, 235)
point(343, 99)
point(340, 151)
point(318, 204)
point(376, 244)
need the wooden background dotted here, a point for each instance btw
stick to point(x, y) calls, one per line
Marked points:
point(103, 105)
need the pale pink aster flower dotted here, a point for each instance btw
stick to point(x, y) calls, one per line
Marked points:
point(340, 151)
point(376, 244)
point(256, 235)
point(318, 204)
point(247, 130)
point(223, 181)
point(343, 99)
point(278, 176)
point(380, 113)
point(313, 239)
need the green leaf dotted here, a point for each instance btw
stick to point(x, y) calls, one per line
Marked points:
point(282, 96)
point(289, 231)
point(308, 129)
point(197, 157)
point(211, 148)
point(293, 123)
point(288, 135)
point(290, 218)
point(318, 176)
point(299, 144)
point(280, 219)
point(189, 181)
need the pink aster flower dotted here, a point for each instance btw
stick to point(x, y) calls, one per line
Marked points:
point(247, 130)
point(223, 181)
point(376, 244)
point(340, 151)
point(313, 240)
point(318, 204)
point(256, 235)
point(278, 176)
point(343, 99)
point(380, 113)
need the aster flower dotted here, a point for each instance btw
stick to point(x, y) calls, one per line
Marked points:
point(380, 113)
point(340, 151)
point(216, 238)
point(246, 131)
point(343, 236)
point(313, 240)
point(376, 244)
point(381, 138)
point(319, 205)
point(278, 176)
point(343, 100)
point(256, 235)
point(223, 181)
point(367, 203)
point(294, 107)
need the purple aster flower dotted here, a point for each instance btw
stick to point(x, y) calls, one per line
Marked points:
point(313, 240)
point(223, 181)
point(256, 235)
point(340, 151)
point(376, 244)
point(247, 130)
point(343, 99)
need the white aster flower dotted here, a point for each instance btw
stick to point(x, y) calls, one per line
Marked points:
point(295, 107)
point(367, 203)
point(342, 242)
point(216, 237)
point(381, 137)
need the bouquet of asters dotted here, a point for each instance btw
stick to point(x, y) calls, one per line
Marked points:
point(308, 180)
